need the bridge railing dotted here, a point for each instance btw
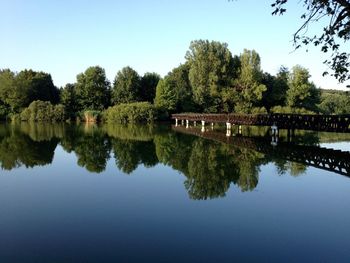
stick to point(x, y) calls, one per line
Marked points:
point(339, 123)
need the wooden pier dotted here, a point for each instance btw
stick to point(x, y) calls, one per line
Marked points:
point(329, 123)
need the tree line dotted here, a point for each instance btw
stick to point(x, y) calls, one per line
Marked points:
point(211, 80)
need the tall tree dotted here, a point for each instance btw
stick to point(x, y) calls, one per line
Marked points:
point(7, 86)
point(93, 89)
point(249, 83)
point(69, 99)
point(178, 79)
point(212, 69)
point(276, 88)
point(165, 96)
point(302, 93)
point(148, 84)
point(126, 86)
point(336, 15)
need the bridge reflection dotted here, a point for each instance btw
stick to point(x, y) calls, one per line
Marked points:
point(323, 158)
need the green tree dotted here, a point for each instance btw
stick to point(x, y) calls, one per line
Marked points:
point(7, 84)
point(249, 83)
point(19, 90)
point(69, 100)
point(335, 14)
point(165, 96)
point(126, 86)
point(212, 69)
point(276, 88)
point(93, 89)
point(148, 85)
point(335, 103)
point(302, 93)
point(178, 79)
point(174, 92)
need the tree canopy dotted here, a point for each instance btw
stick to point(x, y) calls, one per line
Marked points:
point(126, 87)
point(93, 89)
point(212, 68)
point(336, 31)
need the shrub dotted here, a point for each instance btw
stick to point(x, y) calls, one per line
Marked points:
point(130, 112)
point(287, 109)
point(91, 116)
point(258, 110)
point(43, 111)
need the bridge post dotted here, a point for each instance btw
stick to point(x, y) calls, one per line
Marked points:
point(228, 132)
point(203, 126)
point(274, 140)
point(228, 126)
point(182, 122)
point(239, 129)
point(212, 126)
point(274, 130)
point(176, 123)
point(187, 122)
point(194, 123)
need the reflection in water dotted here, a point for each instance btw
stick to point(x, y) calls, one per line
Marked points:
point(210, 160)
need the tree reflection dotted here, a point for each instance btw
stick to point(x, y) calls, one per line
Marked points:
point(130, 154)
point(17, 149)
point(91, 146)
point(211, 169)
point(210, 161)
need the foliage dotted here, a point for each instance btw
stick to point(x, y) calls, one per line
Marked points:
point(335, 103)
point(174, 92)
point(302, 93)
point(165, 96)
point(178, 79)
point(130, 112)
point(212, 69)
point(126, 87)
point(4, 111)
point(276, 88)
point(148, 84)
point(19, 90)
point(336, 15)
point(92, 116)
point(92, 89)
point(43, 111)
point(288, 109)
point(69, 100)
point(249, 83)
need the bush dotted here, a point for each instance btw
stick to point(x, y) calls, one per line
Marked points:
point(130, 112)
point(43, 111)
point(287, 109)
point(91, 116)
point(258, 110)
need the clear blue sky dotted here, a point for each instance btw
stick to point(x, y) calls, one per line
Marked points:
point(64, 37)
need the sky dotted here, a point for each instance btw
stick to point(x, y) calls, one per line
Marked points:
point(65, 37)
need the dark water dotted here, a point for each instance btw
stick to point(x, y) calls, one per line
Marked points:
point(157, 194)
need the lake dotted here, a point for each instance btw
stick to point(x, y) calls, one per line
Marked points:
point(113, 193)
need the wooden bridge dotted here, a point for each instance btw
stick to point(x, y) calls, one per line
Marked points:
point(329, 123)
point(323, 158)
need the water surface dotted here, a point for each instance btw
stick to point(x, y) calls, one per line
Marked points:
point(166, 194)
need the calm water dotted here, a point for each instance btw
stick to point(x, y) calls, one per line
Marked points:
point(157, 194)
